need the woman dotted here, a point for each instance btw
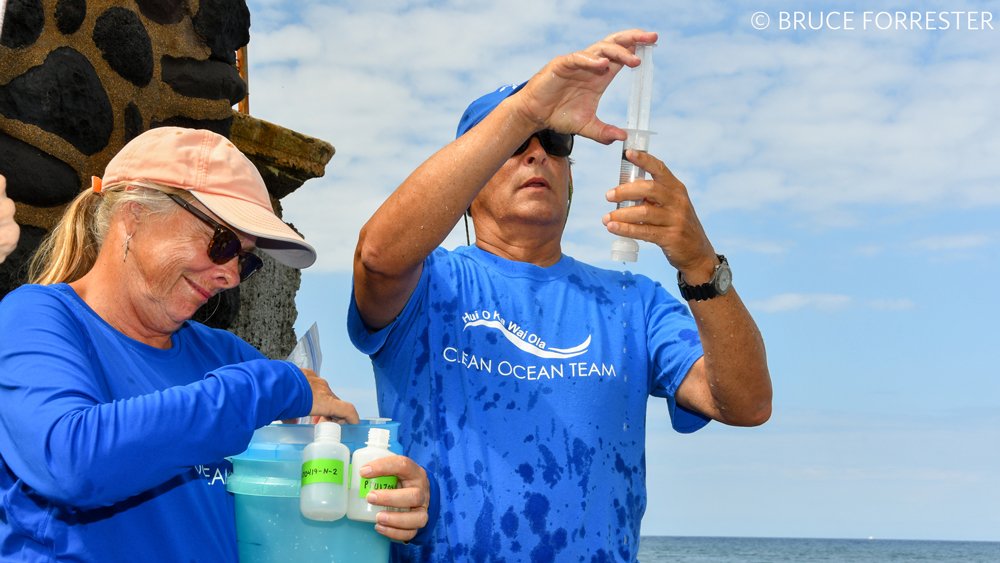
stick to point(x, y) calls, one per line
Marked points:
point(117, 411)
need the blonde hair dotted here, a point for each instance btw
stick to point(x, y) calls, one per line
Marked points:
point(71, 247)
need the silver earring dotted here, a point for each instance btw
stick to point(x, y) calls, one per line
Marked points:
point(125, 246)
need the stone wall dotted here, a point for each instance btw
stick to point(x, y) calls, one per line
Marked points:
point(80, 78)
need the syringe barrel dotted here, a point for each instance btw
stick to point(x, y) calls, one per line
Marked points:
point(641, 97)
point(624, 249)
point(629, 173)
point(637, 141)
point(637, 122)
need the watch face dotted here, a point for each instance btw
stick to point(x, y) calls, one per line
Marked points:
point(724, 279)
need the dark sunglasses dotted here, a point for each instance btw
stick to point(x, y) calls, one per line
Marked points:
point(554, 144)
point(225, 245)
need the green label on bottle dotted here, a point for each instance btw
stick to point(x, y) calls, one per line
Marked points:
point(377, 484)
point(323, 471)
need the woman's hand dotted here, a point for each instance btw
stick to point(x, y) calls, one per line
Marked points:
point(327, 405)
point(9, 231)
point(412, 494)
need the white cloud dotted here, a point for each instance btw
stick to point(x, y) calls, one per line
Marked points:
point(884, 134)
point(901, 304)
point(892, 474)
point(796, 301)
point(952, 242)
point(386, 86)
point(825, 302)
point(759, 246)
point(836, 119)
point(809, 127)
point(871, 249)
point(292, 43)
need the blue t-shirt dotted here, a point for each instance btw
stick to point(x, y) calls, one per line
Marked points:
point(523, 390)
point(112, 450)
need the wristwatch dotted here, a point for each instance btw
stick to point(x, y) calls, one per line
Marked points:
point(722, 280)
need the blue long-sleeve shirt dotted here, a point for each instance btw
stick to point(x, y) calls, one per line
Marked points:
point(112, 450)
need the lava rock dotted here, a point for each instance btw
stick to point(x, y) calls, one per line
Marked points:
point(14, 270)
point(70, 15)
point(211, 79)
point(220, 126)
point(34, 177)
point(163, 12)
point(133, 122)
point(224, 25)
point(125, 44)
point(22, 23)
point(221, 310)
point(63, 96)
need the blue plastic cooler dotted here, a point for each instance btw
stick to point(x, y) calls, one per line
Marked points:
point(266, 480)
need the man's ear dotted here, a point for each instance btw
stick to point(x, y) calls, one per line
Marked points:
point(569, 199)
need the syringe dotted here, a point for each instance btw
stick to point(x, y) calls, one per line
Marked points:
point(624, 249)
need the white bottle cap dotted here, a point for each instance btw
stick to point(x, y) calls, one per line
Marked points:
point(378, 437)
point(327, 431)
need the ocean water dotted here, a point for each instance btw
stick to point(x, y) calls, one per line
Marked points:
point(660, 549)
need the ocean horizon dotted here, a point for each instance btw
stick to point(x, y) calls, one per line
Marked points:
point(707, 549)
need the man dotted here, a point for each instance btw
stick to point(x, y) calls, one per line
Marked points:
point(9, 231)
point(520, 376)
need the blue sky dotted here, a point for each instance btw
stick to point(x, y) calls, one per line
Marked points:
point(848, 170)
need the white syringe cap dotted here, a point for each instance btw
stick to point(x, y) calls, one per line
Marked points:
point(624, 249)
point(327, 431)
point(378, 437)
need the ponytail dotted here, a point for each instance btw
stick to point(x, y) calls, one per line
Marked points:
point(71, 248)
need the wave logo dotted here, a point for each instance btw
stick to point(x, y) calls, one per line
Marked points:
point(526, 341)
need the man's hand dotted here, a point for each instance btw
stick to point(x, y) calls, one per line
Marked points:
point(412, 494)
point(731, 382)
point(565, 93)
point(9, 231)
point(664, 217)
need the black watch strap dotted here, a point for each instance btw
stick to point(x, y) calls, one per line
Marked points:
point(697, 292)
point(707, 290)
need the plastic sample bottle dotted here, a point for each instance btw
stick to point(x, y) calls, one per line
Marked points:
point(377, 447)
point(325, 475)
